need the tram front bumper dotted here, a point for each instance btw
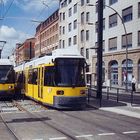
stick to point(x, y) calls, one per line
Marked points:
point(69, 102)
point(6, 93)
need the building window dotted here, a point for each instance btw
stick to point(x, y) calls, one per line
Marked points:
point(87, 35)
point(75, 40)
point(75, 24)
point(60, 15)
point(129, 71)
point(129, 41)
point(113, 20)
point(88, 1)
point(96, 27)
point(70, 12)
point(113, 43)
point(70, 1)
point(127, 14)
point(64, 4)
point(75, 8)
point(63, 43)
point(139, 9)
point(96, 8)
point(69, 40)
point(138, 38)
point(112, 2)
point(82, 35)
point(104, 24)
point(60, 30)
point(113, 72)
point(69, 27)
point(63, 16)
point(64, 30)
point(87, 17)
point(87, 53)
point(60, 43)
point(82, 51)
point(82, 18)
point(82, 2)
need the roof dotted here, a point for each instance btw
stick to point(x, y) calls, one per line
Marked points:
point(70, 52)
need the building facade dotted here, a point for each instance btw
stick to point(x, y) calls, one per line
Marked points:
point(47, 35)
point(121, 55)
point(25, 51)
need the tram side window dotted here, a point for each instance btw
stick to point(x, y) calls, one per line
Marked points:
point(34, 77)
point(19, 78)
point(11, 76)
point(49, 76)
point(30, 79)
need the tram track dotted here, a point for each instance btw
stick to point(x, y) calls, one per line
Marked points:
point(8, 128)
point(62, 131)
point(39, 117)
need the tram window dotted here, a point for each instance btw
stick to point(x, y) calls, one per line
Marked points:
point(49, 76)
point(19, 78)
point(35, 77)
point(30, 80)
point(11, 76)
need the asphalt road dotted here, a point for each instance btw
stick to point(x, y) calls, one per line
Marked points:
point(89, 124)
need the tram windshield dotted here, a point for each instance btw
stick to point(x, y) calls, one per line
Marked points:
point(69, 72)
point(6, 74)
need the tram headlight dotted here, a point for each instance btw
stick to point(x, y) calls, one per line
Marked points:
point(10, 87)
point(60, 92)
point(82, 92)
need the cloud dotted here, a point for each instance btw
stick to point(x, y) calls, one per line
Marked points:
point(11, 36)
point(4, 1)
point(8, 33)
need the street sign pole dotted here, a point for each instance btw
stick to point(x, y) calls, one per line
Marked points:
point(100, 50)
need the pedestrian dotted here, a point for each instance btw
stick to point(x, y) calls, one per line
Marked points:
point(133, 83)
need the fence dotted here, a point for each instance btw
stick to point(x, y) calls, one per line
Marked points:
point(115, 93)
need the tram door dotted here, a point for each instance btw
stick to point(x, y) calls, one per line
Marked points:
point(40, 82)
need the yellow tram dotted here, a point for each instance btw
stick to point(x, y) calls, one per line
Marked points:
point(57, 80)
point(7, 78)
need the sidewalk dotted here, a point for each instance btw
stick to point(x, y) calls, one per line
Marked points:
point(122, 108)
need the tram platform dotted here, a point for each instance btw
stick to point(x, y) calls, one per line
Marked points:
point(120, 108)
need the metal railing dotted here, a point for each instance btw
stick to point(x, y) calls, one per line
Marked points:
point(117, 94)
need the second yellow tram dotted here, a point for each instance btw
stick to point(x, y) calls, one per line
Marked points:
point(57, 80)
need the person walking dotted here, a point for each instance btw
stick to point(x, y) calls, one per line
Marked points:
point(133, 83)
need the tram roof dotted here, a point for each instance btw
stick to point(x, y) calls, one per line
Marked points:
point(70, 52)
point(6, 62)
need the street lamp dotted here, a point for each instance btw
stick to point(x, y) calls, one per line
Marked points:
point(1, 47)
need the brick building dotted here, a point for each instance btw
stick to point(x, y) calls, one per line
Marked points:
point(46, 37)
point(25, 51)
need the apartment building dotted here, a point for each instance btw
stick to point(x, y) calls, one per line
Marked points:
point(47, 35)
point(116, 50)
point(24, 51)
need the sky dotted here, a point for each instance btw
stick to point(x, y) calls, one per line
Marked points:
point(16, 20)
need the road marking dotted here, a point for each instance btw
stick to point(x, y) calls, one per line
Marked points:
point(106, 134)
point(58, 138)
point(130, 132)
point(80, 136)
